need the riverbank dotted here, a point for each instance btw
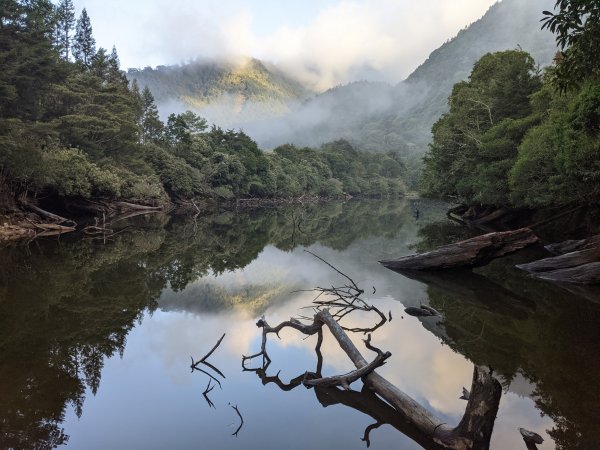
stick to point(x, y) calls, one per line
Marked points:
point(27, 220)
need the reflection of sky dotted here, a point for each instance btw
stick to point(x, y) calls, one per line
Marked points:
point(149, 399)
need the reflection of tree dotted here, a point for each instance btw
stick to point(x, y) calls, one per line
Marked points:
point(516, 324)
point(67, 306)
point(62, 312)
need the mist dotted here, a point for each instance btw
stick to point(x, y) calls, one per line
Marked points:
point(324, 43)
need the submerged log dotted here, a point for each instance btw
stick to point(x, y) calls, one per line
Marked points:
point(473, 252)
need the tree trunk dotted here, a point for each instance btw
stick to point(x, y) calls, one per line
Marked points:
point(473, 252)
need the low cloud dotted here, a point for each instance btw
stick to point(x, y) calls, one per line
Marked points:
point(377, 39)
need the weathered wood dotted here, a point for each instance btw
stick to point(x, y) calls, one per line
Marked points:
point(135, 206)
point(47, 214)
point(565, 261)
point(494, 215)
point(472, 252)
point(573, 245)
point(583, 274)
point(475, 429)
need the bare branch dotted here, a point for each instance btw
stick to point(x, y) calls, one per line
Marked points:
point(235, 433)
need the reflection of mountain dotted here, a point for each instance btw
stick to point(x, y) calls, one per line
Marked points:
point(207, 296)
point(519, 326)
point(66, 306)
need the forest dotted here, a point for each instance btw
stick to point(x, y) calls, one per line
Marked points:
point(73, 126)
point(518, 137)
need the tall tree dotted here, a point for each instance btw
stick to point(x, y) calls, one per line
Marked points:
point(152, 127)
point(115, 74)
point(84, 46)
point(64, 26)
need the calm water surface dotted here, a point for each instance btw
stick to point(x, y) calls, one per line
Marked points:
point(96, 335)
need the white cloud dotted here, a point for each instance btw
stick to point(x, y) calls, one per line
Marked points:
point(337, 43)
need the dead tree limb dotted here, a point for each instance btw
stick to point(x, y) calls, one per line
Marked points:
point(473, 431)
point(48, 215)
point(207, 391)
point(345, 380)
point(236, 409)
point(204, 361)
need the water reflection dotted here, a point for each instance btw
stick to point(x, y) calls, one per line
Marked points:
point(133, 310)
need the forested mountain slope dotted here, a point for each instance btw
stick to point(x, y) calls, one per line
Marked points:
point(224, 91)
point(377, 117)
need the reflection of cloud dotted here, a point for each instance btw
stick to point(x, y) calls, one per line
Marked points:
point(517, 412)
point(419, 365)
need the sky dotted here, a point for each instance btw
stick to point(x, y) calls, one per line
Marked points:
point(323, 42)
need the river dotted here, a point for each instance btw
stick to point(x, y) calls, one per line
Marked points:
point(96, 334)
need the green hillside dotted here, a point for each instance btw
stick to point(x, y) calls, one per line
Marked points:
point(229, 91)
point(400, 117)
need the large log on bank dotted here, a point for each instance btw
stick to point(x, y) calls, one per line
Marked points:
point(473, 252)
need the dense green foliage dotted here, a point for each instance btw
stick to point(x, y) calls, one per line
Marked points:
point(378, 117)
point(577, 28)
point(78, 128)
point(509, 140)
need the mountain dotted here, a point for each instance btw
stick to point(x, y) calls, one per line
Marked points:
point(380, 117)
point(224, 91)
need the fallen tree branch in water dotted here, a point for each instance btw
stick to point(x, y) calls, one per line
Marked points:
point(345, 380)
point(473, 431)
point(204, 361)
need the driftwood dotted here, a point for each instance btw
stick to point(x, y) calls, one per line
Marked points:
point(578, 262)
point(422, 311)
point(137, 207)
point(473, 252)
point(473, 431)
point(203, 360)
point(574, 245)
point(583, 274)
point(48, 215)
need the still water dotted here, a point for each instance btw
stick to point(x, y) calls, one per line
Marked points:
point(96, 334)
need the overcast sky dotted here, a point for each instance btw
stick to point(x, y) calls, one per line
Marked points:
point(325, 42)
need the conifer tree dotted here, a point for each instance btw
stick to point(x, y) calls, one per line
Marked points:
point(65, 21)
point(84, 46)
point(115, 74)
point(152, 127)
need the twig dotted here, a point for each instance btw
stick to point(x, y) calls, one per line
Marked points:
point(366, 438)
point(338, 271)
point(235, 433)
point(206, 392)
point(205, 357)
